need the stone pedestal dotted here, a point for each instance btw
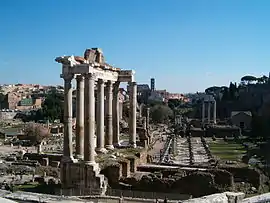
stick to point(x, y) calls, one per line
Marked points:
point(82, 179)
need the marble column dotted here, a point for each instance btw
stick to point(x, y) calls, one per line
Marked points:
point(215, 112)
point(100, 116)
point(68, 147)
point(89, 119)
point(132, 114)
point(120, 110)
point(80, 117)
point(108, 117)
point(209, 112)
point(147, 118)
point(115, 114)
point(203, 112)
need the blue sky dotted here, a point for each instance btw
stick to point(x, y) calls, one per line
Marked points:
point(187, 45)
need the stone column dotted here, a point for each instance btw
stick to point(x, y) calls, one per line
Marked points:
point(89, 119)
point(132, 114)
point(215, 112)
point(68, 147)
point(115, 114)
point(203, 112)
point(140, 110)
point(209, 112)
point(147, 118)
point(80, 117)
point(100, 116)
point(120, 110)
point(109, 127)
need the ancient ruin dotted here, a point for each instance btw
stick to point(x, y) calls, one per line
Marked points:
point(209, 101)
point(92, 72)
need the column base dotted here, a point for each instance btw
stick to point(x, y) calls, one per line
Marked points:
point(117, 145)
point(91, 163)
point(133, 145)
point(79, 156)
point(109, 147)
point(68, 159)
point(101, 150)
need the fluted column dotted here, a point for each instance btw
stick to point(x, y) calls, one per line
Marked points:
point(68, 147)
point(132, 114)
point(215, 112)
point(209, 112)
point(109, 127)
point(203, 112)
point(100, 116)
point(89, 119)
point(80, 117)
point(115, 114)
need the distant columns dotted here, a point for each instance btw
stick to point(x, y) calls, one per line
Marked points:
point(215, 112)
point(115, 114)
point(100, 116)
point(209, 112)
point(109, 127)
point(203, 112)
point(132, 114)
point(147, 118)
point(89, 119)
point(80, 117)
point(68, 147)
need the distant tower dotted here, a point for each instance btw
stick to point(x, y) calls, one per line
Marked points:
point(152, 84)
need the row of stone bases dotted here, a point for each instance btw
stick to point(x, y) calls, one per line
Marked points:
point(82, 173)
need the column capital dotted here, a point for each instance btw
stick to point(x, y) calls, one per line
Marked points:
point(100, 81)
point(90, 76)
point(133, 83)
point(67, 77)
point(109, 83)
point(79, 78)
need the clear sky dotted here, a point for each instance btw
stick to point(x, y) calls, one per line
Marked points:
point(187, 45)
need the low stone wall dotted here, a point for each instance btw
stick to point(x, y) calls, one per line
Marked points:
point(52, 159)
point(227, 197)
point(252, 176)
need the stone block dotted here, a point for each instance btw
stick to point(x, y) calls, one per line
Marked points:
point(55, 164)
point(235, 197)
point(125, 165)
point(44, 162)
point(215, 198)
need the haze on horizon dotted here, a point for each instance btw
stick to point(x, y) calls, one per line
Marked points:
point(186, 46)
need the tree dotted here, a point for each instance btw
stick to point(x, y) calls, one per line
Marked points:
point(249, 79)
point(53, 106)
point(160, 113)
point(36, 133)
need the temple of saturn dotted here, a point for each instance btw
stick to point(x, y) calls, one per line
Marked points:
point(210, 101)
point(92, 73)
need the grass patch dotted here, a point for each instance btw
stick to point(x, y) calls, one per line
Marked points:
point(227, 150)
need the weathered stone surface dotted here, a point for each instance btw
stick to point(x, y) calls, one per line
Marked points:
point(215, 198)
point(258, 199)
point(235, 196)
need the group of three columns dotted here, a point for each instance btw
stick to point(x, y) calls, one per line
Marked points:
point(107, 92)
